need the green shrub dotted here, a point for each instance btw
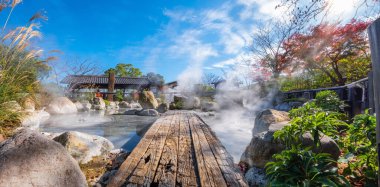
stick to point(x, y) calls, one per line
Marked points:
point(119, 95)
point(327, 123)
point(107, 102)
point(302, 167)
point(361, 154)
point(329, 101)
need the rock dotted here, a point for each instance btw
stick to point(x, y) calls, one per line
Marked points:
point(162, 108)
point(113, 105)
point(210, 106)
point(256, 177)
point(32, 120)
point(86, 106)
point(30, 159)
point(196, 102)
point(2, 138)
point(79, 106)
point(12, 106)
point(124, 104)
point(135, 105)
point(267, 117)
point(147, 112)
point(131, 112)
point(192, 103)
point(99, 103)
point(84, 146)
point(29, 105)
point(159, 101)
point(50, 135)
point(148, 100)
point(61, 105)
point(263, 146)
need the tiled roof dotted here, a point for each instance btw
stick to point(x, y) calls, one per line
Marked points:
point(93, 79)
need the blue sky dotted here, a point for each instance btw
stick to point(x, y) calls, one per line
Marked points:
point(168, 37)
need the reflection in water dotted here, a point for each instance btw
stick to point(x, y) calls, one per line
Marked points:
point(119, 129)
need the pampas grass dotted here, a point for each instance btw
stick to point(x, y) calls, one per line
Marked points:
point(20, 65)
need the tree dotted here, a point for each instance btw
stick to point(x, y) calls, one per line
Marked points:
point(331, 49)
point(155, 79)
point(271, 47)
point(125, 70)
point(210, 78)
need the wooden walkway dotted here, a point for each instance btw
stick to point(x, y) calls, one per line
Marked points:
point(178, 150)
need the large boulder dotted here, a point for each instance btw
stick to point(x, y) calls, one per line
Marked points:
point(30, 159)
point(263, 146)
point(147, 112)
point(32, 120)
point(256, 177)
point(148, 100)
point(267, 117)
point(79, 106)
point(2, 138)
point(99, 103)
point(61, 105)
point(84, 146)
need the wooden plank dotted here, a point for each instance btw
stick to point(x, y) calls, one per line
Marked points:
point(209, 171)
point(132, 160)
point(232, 176)
point(167, 168)
point(148, 164)
point(186, 172)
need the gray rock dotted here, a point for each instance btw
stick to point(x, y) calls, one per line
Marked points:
point(131, 112)
point(99, 103)
point(79, 106)
point(267, 117)
point(135, 105)
point(30, 159)
point(32, 120)
point(124, 104)
point(148, 112)
point(256, 177)
point(263, 146)
point(84, 146)
point(61, 105)
point(162, 108)
point(210, 106)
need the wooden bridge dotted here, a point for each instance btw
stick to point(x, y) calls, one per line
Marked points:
point(178, 150)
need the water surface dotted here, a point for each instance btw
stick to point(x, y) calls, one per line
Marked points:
point(124, 131)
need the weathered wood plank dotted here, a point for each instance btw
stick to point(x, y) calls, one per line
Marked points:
point(205, 158)
point(225, 162)
point(167, 168)
point(132, 160)
point(186, 172)
point(148, 164)
point(178, 150)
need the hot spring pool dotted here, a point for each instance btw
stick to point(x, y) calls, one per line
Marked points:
point(124, 131)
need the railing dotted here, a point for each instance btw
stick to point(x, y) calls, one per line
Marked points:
point(355, 94)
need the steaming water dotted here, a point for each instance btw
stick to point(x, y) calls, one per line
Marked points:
point(233, 129)
point(124, 131)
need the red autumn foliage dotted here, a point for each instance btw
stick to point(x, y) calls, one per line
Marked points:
point(326, 45)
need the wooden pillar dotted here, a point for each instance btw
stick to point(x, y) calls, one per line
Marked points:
point(111, 86)
point(374, 40)
point(371, 97)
